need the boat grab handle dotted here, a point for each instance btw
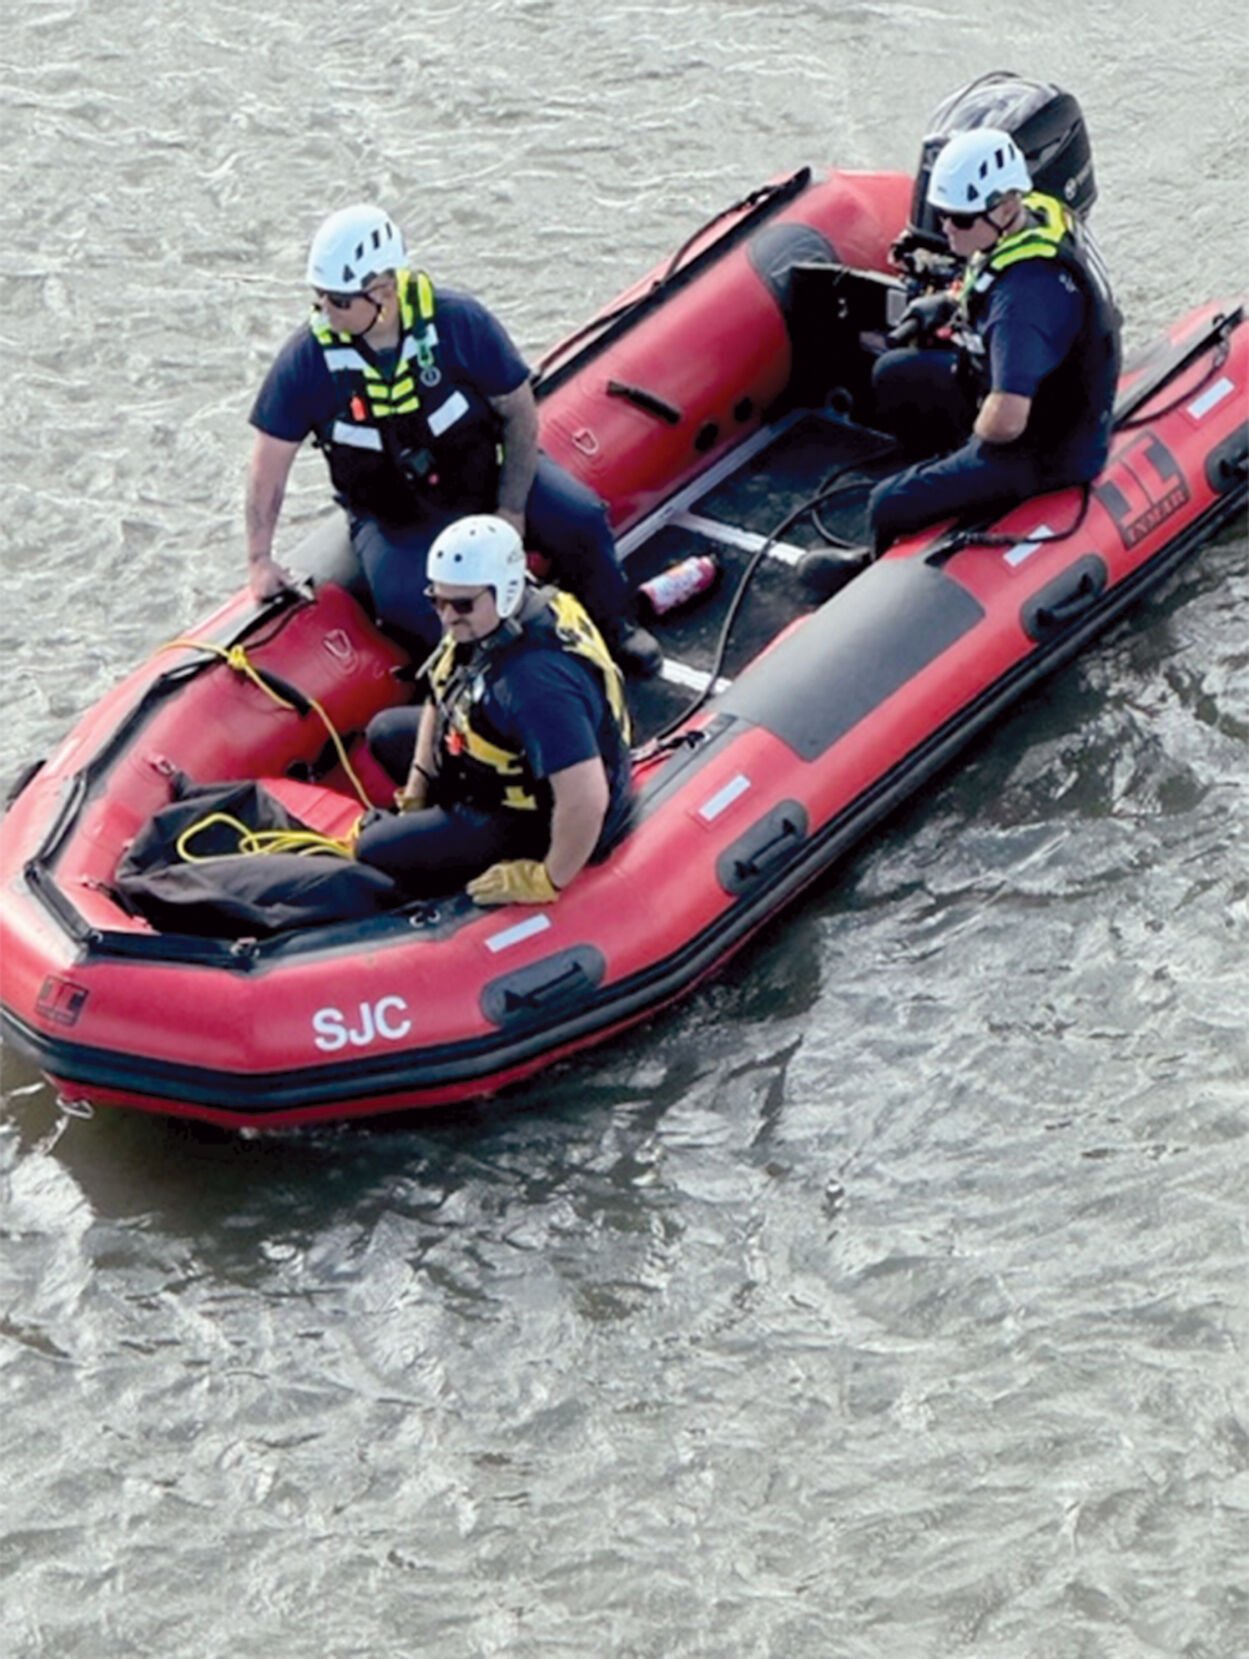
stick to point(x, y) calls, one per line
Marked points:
point(569, 980)
point(1066, 610)
point(769, 844)
point(1065, 600)
point(772, 852)
point(651, 402)
point(566, 981)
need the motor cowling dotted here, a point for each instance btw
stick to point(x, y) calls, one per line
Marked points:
point(1046, 123)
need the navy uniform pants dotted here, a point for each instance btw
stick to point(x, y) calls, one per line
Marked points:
point(433, 852)
point(921, 398)
point(564, 520)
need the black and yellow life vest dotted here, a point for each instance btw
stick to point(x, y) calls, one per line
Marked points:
point(412, 437)
point(478, 764)
point(1082, 389)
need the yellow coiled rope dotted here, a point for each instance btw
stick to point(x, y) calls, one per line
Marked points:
point(254, 843)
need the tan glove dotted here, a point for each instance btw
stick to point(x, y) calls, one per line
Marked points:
point(522, 881)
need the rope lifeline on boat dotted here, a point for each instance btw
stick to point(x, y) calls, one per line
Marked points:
point(236, 657)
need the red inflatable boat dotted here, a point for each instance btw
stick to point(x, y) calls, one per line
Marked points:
point(708, 405)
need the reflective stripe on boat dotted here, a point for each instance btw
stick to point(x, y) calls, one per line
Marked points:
point(531, 925)
point(680, 673)
point(710, 810)
point(730, 535)
point(1025, 549)
point(1208, 400)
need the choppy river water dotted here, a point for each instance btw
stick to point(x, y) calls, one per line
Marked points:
point(888, 1299)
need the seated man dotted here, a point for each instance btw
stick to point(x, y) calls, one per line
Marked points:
point(518, 764)
point(424, 411)
point(1027, 389)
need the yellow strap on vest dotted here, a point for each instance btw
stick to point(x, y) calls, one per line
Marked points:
point(1034, 241)
point(579, 635)
point(424, 293)
point(504, 761)
point(235, 657)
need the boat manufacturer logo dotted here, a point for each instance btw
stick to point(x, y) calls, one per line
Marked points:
point(1146, 488)
point(385, 1019)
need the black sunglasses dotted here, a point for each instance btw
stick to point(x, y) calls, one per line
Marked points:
point(960, 221)
point(340, 302)
point(461, 607)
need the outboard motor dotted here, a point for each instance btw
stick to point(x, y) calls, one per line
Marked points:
point(1044, 121)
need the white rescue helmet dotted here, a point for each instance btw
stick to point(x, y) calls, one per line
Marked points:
point(481, 551)
point(352, 247)
point(975, 169)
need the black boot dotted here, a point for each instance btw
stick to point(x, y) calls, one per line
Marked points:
point(826, 570)
point(637, 652)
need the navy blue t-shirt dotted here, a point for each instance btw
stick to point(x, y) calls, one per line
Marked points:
point(1033, 320)
point(553, 709)
point(298, 394)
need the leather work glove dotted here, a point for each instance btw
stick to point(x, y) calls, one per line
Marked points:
point(923, 317)
point(522, 881)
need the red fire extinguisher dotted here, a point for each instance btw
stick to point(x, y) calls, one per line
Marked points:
point(679, 584)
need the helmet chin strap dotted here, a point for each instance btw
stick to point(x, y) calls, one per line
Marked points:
point(510, 628)
point(1006, 229)
point(377, 311)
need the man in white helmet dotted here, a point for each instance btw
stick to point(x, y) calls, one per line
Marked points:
point(1019, 398)
point(424, 411)
point(516, 771)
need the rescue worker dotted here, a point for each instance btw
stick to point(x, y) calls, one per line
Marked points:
point(1023, 392)
point(516, 771)
point(424, 411)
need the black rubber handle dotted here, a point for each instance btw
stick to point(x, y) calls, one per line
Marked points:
point(772, 852)
point(1075, 604)
point(551, 991)
point(651, 402)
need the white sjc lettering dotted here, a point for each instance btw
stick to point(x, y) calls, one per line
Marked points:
point(386, 1018)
